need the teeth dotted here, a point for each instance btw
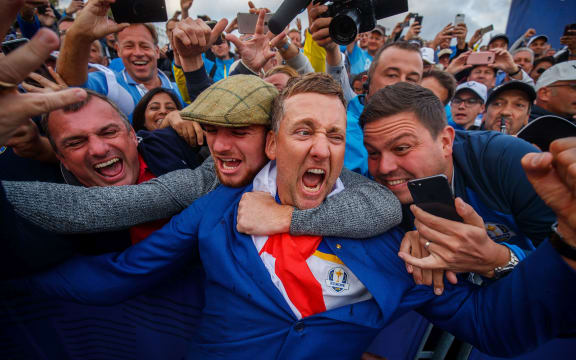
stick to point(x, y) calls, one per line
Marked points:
point(227, 163)
point(312, 189)
point(396, 182)
point(107, 163)
point(317, 171)
point(140, 62)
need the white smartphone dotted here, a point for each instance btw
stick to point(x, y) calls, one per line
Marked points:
point(247, 22)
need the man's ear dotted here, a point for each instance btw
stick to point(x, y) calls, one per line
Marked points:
point(133, 136)
point(271, 145)
point(447, 140)
point(544, 94)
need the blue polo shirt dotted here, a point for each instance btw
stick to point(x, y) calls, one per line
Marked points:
point(122, 89)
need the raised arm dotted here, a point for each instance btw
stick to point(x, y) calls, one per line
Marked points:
point(365, 208)
point(74, 209)
point(91, 24)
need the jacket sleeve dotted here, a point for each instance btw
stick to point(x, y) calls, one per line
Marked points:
point(196, 82)
point(74, 209)
point(114, 277)
point(364, 209)
point(510, 185)
point(514, 315)
point(340, 74)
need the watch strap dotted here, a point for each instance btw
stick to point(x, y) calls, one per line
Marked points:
point(561, 246)
point(505, 269)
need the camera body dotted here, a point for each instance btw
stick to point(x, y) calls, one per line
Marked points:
point(349, 17)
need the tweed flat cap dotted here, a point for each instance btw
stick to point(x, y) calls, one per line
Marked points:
point(236, 101)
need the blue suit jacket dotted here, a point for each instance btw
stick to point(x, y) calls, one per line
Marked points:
point(246, 317)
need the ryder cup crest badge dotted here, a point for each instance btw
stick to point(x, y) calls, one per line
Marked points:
point(337, 279)
point(499, 232)
point(2, 149)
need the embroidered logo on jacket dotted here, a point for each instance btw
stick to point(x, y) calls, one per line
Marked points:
point(337, 279)
point(2, 149)
point(499, 232)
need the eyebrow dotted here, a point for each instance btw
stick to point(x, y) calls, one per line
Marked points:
point(399, 137)
point(77, 137)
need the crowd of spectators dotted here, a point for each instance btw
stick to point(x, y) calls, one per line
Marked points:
point(133, 170)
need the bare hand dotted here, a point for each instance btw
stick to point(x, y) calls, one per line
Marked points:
point(48, 18)
point(570, 41)
point(477, 36)
point(92, 23)
point(320, 28)
point(459, 63)
point(460, 32)
point(256, 51)
point(27, 143)
point(260, 214)
point(399, 26)
point(48, 86)
point(553, 175)
point(190, 131)
point(504, 61)
point(455, 246)
point(185, 5)
point(529, 33)
point(411, 245)
point(192, 38)
point(413, 31)
point(443, 35)
point(18, 108)
point(74, 7)
point(252, 9)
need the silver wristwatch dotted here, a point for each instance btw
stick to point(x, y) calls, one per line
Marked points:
point(501, 271)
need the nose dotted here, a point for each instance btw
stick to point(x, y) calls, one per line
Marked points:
point(98, 147)
point(138, 51)
point(462, 105)
point(387, 164)
point(320, 148)
point(163, 110)
point(221, 143)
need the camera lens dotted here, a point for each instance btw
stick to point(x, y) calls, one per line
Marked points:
point(344, 27)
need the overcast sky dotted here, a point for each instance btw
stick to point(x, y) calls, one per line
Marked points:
point(437, 13)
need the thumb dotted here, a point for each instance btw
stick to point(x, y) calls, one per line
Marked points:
point(468, 214)
point(234, 40)
point(218, 29)
point(276, 39)
point(35, 104)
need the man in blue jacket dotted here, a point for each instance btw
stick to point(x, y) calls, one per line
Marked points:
point(299, 297)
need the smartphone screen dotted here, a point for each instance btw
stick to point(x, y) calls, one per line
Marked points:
point(434, 195)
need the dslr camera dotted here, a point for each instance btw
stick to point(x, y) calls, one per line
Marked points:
point(349, 17)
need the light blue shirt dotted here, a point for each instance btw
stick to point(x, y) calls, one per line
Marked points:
point(360, 60)
point(122, 89)
point(356, 156)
